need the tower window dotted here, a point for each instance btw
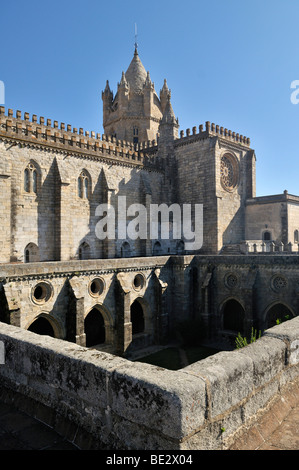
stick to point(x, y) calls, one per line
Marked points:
point(30, 179)
point(83, 185)
point(26, 181)
point(135, 135)
point(267, 236)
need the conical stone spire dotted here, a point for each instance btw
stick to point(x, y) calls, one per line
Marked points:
point(168, 115)
point(136, 74)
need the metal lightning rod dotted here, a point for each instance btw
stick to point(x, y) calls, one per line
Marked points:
point(136, 45)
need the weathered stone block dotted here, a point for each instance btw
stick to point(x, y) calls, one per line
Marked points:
point(229, 379)
point(171, 402)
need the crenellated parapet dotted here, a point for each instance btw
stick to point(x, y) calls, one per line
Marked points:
point(63, 138)
point(203, 132)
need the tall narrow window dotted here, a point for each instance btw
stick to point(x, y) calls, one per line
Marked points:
point(80, 192)
point(30, 179)
point(267, 236)
point(86, 188)
point(83, 185)
point(135, 135)
point(34, 181)
point(296, 236)
point(26, 181)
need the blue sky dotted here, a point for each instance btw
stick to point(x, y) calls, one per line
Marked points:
point(228, 62)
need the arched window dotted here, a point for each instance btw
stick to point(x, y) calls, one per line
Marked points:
point(125, 250)
point(31, 253)
point(157, 249)
point(135, 135)
point(94, 328)
point(86, 188)
point(34, 181)
point(84, 251)
point(233, 316)
point(42, 326)
point(83, 185)
point(267, 236)
point(296, 236)
point(278, 313)
point(137, 318)
point(30, 179)
point(26, 181)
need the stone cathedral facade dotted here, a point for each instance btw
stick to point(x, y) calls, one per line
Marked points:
point(58, 277)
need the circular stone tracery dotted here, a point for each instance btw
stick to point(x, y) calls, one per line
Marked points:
point(231, 280)
point(228, 170)
point(279, 282)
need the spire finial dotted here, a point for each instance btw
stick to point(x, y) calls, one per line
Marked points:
point(136, 45)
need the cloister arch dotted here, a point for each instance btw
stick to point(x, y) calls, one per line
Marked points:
point(45, 324)
point(233, 316)
point(277, 311)
point(98, 326)
point(137, 317)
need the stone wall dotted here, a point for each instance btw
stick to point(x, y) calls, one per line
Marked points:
point(106, 402)
point(49, 214)
point(230, 293)
point(201, 181)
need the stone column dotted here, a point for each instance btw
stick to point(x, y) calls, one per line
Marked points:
point(161, 315)
point(123, 316)
point(75, 318)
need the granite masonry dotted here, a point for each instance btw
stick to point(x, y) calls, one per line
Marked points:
point(64, 289)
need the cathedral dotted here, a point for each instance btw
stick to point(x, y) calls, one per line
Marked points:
point(123, 293)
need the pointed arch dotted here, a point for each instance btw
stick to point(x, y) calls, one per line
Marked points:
point(31, 177)
point(31, 253)
point(277, 312)
point(233, 315)
point(84, 251)
point(157, 249)
point(98, 326)
point(137, 317)
point(84, 185)
point(46, 324)
point(125, 250)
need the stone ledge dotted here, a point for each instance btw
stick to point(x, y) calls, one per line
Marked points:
point(139, 406)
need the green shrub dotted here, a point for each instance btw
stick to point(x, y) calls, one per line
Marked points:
point(242, 341)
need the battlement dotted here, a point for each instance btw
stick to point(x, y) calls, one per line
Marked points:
point(213, 130)
point(62, 136)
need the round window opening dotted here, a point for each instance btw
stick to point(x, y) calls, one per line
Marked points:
point(231, 281)
point(138, 282)
point(229, 172)
point(96, 287)
point(41, 292)
point(279, 283)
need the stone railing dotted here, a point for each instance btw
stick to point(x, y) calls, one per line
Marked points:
point(129, 405)
point(260, 246)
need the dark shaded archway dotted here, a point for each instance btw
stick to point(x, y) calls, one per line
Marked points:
point(137, 318)
point(233, 316)
point(125, 250)
point(276, 314)
point(94, 328)
point(42, 326)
